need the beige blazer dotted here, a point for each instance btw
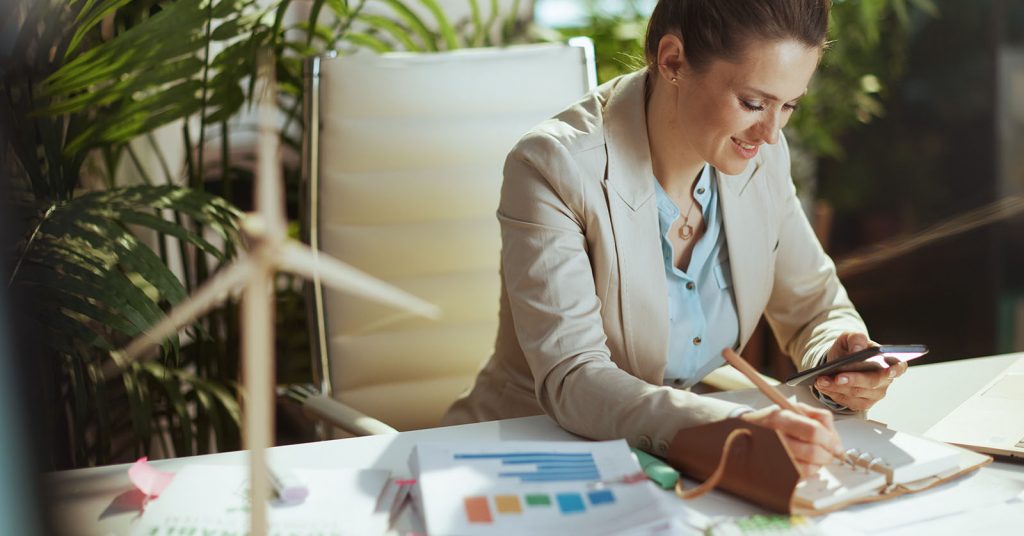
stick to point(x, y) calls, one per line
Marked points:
point(583, 331)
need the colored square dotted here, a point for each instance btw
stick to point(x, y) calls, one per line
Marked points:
point(477, 510)
point(570, 503)
point(538, 499)
point(601, 497)
point(508, 504)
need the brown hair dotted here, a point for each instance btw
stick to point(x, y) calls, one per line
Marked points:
point(721, 29)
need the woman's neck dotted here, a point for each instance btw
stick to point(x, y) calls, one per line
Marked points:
point(674, 161)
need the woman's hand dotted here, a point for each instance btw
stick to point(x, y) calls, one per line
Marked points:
point(811, 438)
point(857, 390)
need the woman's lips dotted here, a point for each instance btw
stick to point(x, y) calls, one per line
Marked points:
point(746, 150)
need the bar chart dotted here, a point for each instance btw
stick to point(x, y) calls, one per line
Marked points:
point(531, 468)
point(533, 488)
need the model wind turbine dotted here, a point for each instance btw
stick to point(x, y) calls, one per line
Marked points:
point(269, 251)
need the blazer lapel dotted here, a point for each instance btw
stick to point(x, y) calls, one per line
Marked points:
point(749, 244)
point(630, 189)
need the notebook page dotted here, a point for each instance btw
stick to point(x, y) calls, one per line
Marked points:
point(911, 457)
point(835, 483)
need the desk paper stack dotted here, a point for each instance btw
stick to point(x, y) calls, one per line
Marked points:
point(539, 488)
point(214, 499)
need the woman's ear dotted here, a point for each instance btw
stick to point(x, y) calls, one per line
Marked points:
point(671, 58)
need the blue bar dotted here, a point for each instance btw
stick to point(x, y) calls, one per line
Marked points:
point(540, 459)
point(570, 503)
point(601, 497)
point(564, 467)
point(557, 455)
point(562, 477)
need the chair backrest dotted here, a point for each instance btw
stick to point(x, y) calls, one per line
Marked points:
point(404, 169)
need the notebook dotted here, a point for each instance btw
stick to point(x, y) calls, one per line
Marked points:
point(991, 420)
point(880, 464)
point(899, 458)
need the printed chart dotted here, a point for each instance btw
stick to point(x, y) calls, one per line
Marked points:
point(534, 467)
point(533, 487)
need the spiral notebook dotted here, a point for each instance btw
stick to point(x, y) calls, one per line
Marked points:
point(878, 458)
point(880, 464)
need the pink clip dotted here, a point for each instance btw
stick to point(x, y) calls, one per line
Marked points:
point(147, 479)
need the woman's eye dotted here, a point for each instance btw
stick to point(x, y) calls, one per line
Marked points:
point(789, 107)
point(753, 107)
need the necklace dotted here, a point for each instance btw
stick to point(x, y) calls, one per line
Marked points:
point(686, 230)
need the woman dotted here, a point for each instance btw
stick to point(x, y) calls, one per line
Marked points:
point(650, 225)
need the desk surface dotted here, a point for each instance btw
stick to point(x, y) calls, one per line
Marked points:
point(85, 501)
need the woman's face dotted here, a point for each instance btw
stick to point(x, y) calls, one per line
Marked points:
point(727, 111)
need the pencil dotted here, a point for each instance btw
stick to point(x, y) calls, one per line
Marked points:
point(772, 393)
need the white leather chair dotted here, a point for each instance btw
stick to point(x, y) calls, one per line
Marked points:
point(403, 162)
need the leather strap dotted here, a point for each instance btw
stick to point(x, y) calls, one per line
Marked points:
point(719, 471)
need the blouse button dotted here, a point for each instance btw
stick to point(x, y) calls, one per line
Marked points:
point(696, 341)
point(690, 285)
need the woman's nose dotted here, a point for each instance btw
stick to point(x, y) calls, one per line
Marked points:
point(768, 129)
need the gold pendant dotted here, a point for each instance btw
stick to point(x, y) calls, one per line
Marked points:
point(686, 231)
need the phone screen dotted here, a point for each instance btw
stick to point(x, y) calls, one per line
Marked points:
point(868, 359)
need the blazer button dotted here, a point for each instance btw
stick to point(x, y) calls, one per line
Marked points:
point(662, 446)
point(644, 443)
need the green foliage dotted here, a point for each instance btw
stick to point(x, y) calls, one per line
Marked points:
point(867, 51)
point(618, 37)
point(85, 79)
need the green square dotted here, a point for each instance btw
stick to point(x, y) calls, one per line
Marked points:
point(536, 499)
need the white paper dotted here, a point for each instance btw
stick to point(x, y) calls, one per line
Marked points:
point(535, 487)
point(967, 495)
point(1006, 519)
point(206, 498)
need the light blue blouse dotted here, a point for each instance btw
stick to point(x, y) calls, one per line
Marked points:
point(701, 303)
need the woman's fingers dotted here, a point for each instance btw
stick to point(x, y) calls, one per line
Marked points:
point(860, 390)
point(810, 438)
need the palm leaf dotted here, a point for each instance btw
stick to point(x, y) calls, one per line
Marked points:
point(368, 41)
point(413, 22)
point(89, 17)
point(115, 285)
point(444, 27)
point(392, 28)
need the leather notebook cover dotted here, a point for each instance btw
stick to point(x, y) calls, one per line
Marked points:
point(761, 469)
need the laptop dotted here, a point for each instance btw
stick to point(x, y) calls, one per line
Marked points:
point(991, 420)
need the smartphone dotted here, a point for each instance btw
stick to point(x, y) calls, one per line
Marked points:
point(872, 358)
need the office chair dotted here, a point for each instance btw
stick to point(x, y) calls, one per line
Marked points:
point(403, 157)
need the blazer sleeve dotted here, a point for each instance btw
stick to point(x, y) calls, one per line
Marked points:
point(557, 312)
point(808, 307)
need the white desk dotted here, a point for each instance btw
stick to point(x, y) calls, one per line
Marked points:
point(85, 501)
